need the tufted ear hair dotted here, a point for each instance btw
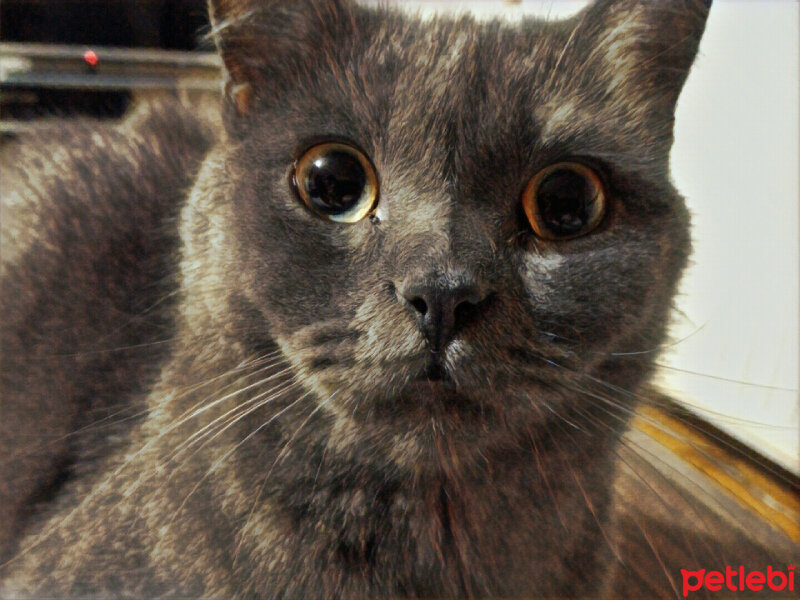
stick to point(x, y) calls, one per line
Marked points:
point(620, 67)
point(647, 45)
point(266, 45)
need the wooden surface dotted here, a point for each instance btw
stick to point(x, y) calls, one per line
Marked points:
point(692, 498)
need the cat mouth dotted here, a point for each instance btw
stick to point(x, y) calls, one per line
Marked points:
point(424, 400)
point(434, 392)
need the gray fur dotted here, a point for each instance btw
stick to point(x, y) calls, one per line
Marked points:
point(280, 450)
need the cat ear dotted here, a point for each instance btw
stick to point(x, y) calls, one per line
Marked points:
point(645, 48)
point(266, 43)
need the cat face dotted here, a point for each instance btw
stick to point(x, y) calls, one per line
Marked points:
point(445, 303)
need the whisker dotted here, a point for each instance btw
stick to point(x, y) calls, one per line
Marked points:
point(130, 459)
point(239, 412)
point(543, 474)
point(727, 379)
point(569, 468)
point(741, 495)
point(661, 347)
point(274, 464)
point(681, 492)
point(722, 441)
point(110, 420)
point(202, 431)
point(100, 350)
point(218, 462)
point(657, 555)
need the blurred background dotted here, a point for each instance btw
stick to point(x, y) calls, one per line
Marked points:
point(735, 351)
point(91, 57)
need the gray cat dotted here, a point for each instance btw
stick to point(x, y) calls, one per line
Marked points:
point(376, 335)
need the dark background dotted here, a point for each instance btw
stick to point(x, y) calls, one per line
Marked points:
point(163, 24)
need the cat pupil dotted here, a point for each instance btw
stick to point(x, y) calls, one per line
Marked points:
point(335, 182)
point(564, 202)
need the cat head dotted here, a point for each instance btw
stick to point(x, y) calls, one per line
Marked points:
point(446, 221)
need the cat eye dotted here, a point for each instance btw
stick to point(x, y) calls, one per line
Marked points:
point(564, 200)
point(337, 182)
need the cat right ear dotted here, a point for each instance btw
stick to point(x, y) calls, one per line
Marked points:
point(267, 44)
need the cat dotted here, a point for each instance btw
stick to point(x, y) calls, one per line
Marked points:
point(378, 332)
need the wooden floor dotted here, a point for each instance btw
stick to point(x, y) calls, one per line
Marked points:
point(690, 497)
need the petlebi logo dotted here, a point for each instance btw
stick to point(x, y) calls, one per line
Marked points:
point(738, 580)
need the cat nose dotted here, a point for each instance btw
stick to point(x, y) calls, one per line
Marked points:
point(442, 306)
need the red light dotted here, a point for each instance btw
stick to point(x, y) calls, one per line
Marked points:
point(90, 56)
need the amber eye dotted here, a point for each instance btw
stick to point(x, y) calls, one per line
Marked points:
point(564, 200)
point(336, 181)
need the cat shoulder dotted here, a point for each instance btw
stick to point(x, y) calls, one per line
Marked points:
point(88, 244)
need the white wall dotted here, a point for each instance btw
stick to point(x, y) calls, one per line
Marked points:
point(736, 160)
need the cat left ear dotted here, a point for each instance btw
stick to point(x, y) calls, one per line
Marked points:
point(267, 44)
point(645, 46)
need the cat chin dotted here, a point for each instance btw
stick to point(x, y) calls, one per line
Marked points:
point(411, 427)
point(424, 400)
